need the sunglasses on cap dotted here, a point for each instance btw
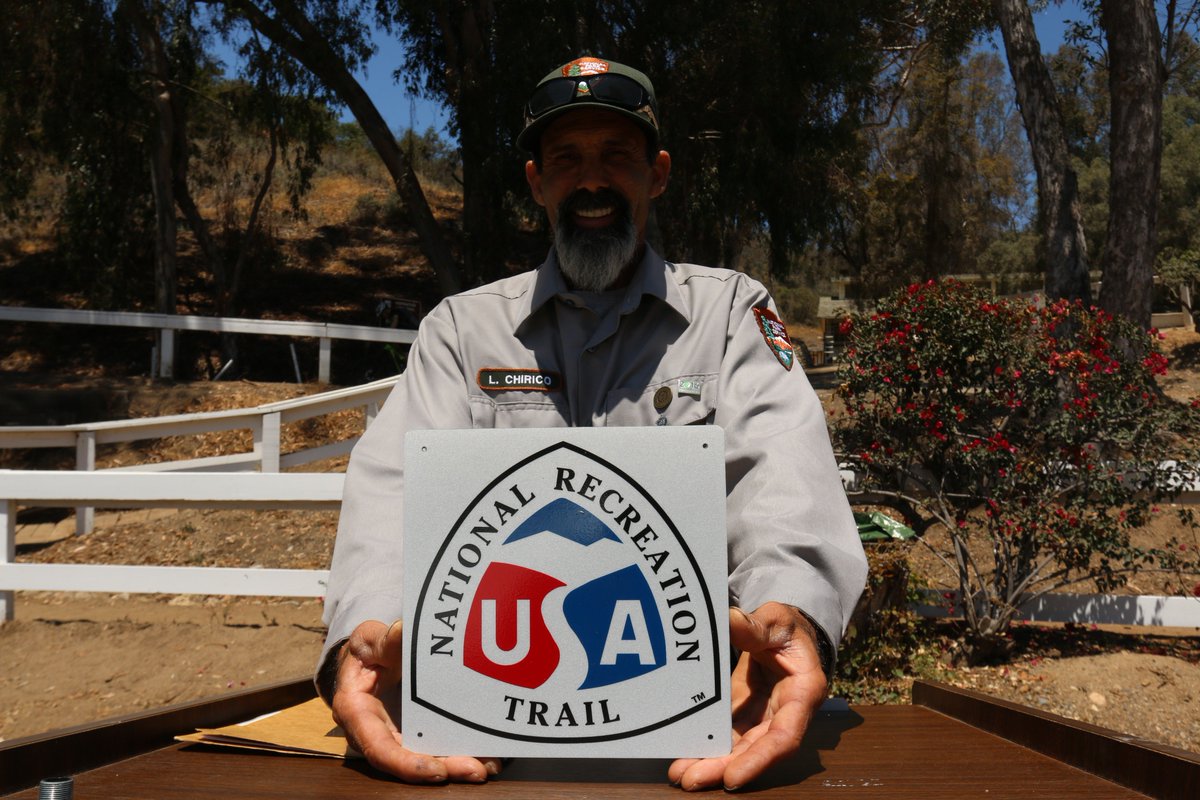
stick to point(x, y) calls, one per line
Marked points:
point(613, 90)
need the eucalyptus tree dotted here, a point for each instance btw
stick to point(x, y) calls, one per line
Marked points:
point(1137, 43)
point(943, 190)
point(329, 40)
point(71, 107)
point(1063, 244)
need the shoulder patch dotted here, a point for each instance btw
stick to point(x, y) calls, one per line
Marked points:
point(775, 334)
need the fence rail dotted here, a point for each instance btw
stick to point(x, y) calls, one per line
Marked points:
point(168, 324)
point(322, 491)
point(265, 423)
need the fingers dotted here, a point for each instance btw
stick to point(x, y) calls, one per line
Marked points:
point(753, 754)
point(779, 741)
point(368, 680)
point(775, 688)
point(694, 774)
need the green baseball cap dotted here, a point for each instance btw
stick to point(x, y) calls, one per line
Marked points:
point(590, 82)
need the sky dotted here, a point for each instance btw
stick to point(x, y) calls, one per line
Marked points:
point(403, 111)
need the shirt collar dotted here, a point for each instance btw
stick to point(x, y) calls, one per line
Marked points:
point(653, 276)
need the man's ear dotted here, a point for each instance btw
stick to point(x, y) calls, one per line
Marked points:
point(533, 177)
point(662, 172)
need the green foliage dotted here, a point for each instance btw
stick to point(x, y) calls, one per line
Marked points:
point(1179, 211)
point(1179, 273)
point(1038, 436)
point(886, 642)
point(433, 158)
point(944, 183)
point(69, 105)
point(756, 100)
point(374, 210)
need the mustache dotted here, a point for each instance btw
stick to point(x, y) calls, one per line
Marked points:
point(587, 200)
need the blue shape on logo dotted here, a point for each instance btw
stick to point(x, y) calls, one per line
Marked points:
point(567, 519)
point(617, 622)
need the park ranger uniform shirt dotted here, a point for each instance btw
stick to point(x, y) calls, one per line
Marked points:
point(680, 345)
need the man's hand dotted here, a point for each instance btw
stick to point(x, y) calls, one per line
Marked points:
point(775, 688)
point(368, 683)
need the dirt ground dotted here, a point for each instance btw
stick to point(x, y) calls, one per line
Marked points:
point(69, 659)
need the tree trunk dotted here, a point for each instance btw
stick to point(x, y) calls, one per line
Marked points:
point(1063, 246)
point(296, 34)
point(1136, 78)
point(161, 159)
point(464, 29)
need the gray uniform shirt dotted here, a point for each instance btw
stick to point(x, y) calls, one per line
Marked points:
point(691, 329)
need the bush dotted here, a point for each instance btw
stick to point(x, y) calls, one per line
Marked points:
point(886, 642)
point(1039, 433)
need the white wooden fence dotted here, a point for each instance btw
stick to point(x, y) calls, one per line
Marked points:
point(265, 422)
point(324, 491)
point(321, 491)
point(168, 324)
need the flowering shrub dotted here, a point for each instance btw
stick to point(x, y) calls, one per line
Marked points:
point(1038, 431)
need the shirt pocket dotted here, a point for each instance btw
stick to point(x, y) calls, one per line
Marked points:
point(636, 406)
point(518, 410)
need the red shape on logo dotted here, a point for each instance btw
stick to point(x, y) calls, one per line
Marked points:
point(506, 637)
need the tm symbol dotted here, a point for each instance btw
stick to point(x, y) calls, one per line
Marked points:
point(696, 698)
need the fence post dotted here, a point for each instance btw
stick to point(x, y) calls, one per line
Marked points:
point(85, 459)
point(166, 353)
point(324, 360)
point(8, 553)
point(267, 442)
point(370, 412)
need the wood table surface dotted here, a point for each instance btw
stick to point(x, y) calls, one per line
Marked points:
point(894, 752)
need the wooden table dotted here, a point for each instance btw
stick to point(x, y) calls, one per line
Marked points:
point(950, 744)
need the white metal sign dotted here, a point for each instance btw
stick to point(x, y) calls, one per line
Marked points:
point(566, 593)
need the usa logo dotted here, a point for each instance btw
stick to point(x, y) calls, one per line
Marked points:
point(562, 605)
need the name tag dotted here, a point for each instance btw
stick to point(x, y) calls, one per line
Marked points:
point(507, 380)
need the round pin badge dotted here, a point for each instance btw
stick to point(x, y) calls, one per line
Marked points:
point(662, 398)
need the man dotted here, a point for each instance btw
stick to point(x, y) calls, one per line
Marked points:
point(612, 335)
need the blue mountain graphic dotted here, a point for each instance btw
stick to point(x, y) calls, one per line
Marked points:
point(568, 520)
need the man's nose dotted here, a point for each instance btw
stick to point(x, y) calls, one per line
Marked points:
point(592, 174)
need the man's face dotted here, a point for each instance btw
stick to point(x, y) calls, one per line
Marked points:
point(596, 186)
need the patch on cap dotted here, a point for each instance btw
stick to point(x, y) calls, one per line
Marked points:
point(585, 66)
point(775, 334)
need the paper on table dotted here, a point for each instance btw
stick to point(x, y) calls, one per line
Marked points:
point(305, 729)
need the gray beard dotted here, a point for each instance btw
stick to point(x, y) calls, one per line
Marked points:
point(592, 261)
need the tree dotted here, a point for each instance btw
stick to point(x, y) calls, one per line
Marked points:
point(474, 57)
point(329, 41)
point(1178, 265)
point(943, 189)
point(148, 19)
point(757, 102)
point(1063, 244)
point(1137, 74)
point(1126, 41)
point(72, 106)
